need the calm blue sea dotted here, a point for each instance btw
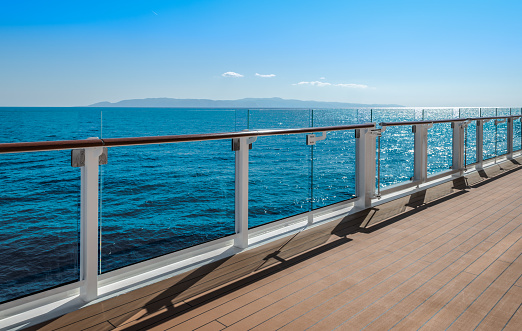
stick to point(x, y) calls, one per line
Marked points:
point(158, 199)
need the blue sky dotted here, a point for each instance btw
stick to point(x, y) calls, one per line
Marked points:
point(414, 53)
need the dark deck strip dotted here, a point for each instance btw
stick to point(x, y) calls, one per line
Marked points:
point(451, 261)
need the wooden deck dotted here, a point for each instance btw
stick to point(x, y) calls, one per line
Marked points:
point(450, 263)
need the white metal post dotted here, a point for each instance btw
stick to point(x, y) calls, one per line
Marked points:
point(510, 138)
point(480, 143)
point(458, 146)
point(364, 167)
point(241, 146)
point(420, 167)
point(89, 224)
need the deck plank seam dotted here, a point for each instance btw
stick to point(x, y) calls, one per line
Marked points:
point(283, 245)
point(220, 323)
point(111, 323)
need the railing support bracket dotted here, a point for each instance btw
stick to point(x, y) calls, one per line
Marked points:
point(311, 139)
point(78, 157)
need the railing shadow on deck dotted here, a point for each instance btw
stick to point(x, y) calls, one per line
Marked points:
point(157, 312)
point(488, 179)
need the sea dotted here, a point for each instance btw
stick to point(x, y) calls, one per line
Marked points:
point(158, 199)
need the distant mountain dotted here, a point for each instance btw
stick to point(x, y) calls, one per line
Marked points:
point(241, 103)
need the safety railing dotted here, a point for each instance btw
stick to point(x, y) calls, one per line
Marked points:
point(458, 138)
point(90, 153)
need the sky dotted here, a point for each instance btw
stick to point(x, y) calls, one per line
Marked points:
point(413, 53)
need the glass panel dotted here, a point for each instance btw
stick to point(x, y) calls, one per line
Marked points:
point(470, 136)
point(259, 119)
point(335, 117)
point(280, 167)
point(503, 111)
point(440, 138)
point(517, 136)
point(364, 115)
point(25, 124)
point(393, 115)
point(333, 175)
point(438, 113)
point(397, 155)
point(490, 136)
point(501, 134)
point(39, 223)
point(39, 199)
point(139, 122)
point(241, 119)
point(158, 199)
point(397, 145)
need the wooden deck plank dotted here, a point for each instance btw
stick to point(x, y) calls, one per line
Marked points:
point(413, 275)
point(454, 307)
point(403, 309)
point(312, 297)
point(428, 250)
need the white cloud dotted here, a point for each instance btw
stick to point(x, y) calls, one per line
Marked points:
point(352, 85)
point(322, 84)
point(316, 83)
point(322, 78)
point(232, 74)
point(265, 76)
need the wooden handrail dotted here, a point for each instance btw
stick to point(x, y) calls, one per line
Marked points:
point(133, 141)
